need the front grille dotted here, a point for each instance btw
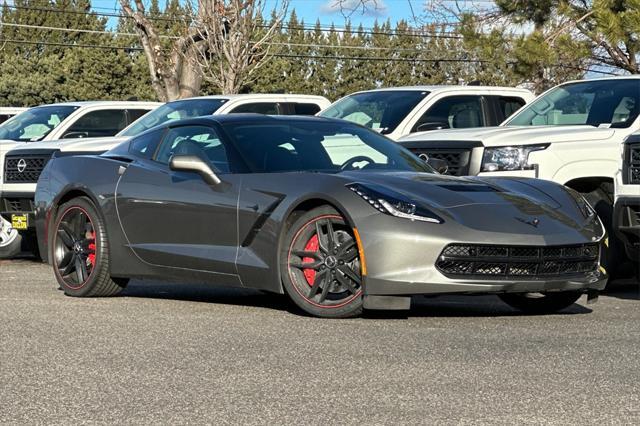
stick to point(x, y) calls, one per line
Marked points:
point(517, 262)
point(24, 169)
point(631, 172)
point(457, 159)
point(14, 205)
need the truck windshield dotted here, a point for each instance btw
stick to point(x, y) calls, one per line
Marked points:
point(600, 103)
point(171, 111)
point(35, 123)
point(381, 110)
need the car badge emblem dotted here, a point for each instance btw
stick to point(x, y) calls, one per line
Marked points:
point(22, 165)
point(534, 222)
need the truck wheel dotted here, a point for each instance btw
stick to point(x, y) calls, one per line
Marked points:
point(614, 257)
point(10, 240)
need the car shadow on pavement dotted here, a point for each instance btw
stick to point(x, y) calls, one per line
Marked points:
point(207, 294)
point(476, 306)
point(624, 289)
point(442, 306)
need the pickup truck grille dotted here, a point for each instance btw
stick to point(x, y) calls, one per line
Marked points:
point(457, 159)
point(24, 169)
point(517, 262)
point(631, 174)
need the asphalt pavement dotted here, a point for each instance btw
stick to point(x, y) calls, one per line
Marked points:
point(171, 353)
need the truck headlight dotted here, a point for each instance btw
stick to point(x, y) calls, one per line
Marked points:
point(509, 158)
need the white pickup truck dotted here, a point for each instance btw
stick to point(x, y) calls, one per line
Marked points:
point(23, 164)
point(399, 111)
point(626, 216)
point(570, 134)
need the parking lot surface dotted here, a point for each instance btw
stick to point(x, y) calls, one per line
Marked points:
point(166, 353)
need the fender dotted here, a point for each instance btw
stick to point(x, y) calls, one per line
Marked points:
point(585, 169)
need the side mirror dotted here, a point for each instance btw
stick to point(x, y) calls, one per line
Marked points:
point(440, 166)
point(75, 135)
point(192, 163)
point(424, 127)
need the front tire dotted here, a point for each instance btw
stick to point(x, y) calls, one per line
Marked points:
point(80, 251)
point(320, 265)
point(540, 303)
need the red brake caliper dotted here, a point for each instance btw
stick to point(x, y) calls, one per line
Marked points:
point(92, 249)
point(312, 245)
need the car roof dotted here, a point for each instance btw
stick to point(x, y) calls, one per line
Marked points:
point(101, 103)
point(439, 88)
point(255, 95)
point(254, 119)
point(615, 77)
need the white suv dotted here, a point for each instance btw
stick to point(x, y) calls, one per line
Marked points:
point(24, 163)
point(570, 134)
point(399, 111)
point(626, 216)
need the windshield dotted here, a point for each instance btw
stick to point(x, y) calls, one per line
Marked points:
point(380, 110)
point(606, 103)
point(35, 123)
point(319, 147)
point(173, 111)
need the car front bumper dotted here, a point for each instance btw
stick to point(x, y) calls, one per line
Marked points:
point(18, 205)
point(401, 259)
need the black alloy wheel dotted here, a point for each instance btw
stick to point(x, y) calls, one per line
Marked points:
point(322, 270)
point(79, 251)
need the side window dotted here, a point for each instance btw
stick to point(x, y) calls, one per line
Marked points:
point(4, 117)
point(509, 105)
point(455, 112)
point(146, 144)
point(105, 122)
point(305, 109)
point(624, 110)
point(201, 141)
point(268, 108)
point(134, 114)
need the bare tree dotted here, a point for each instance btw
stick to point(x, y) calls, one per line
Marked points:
point(223, 40)
point(236, 41)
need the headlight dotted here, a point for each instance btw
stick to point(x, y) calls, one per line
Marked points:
point(508, 158)
point(395, 205)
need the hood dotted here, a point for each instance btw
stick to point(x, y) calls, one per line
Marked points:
point(518, 135)
point(445, 192)
point(73, 145)
point(475, 198)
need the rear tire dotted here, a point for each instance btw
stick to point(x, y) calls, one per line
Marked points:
point(540, 303)
point(320, 265)
point(80, 251)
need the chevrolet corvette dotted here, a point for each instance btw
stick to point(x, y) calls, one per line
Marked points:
point(332, 214)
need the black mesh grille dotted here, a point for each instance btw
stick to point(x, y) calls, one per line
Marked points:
point(12, 205)
point(24, 169)
point(458, 160)
point(518, 262)
point(632, 164)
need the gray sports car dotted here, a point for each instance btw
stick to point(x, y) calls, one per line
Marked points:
point(330, 213)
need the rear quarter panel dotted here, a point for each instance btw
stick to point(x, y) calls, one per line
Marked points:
point(64, 177)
